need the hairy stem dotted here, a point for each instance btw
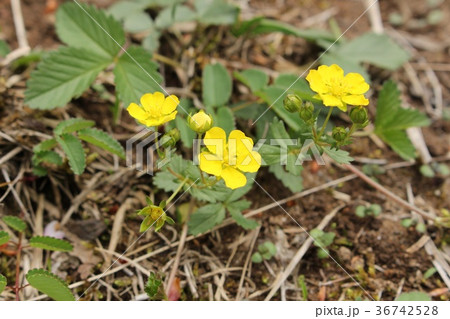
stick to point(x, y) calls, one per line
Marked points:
point(324, 125)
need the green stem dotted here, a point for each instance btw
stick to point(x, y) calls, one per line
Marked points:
point(324, 125)
point(176, 191)
point(199, 137)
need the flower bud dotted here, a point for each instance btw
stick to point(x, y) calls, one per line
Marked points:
point(307, 111)
point(359, 116)
point(170, 138)
point(339, 134)
point(200, 122)
point(292, 103)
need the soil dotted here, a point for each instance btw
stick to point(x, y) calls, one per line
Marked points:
point(373, 250)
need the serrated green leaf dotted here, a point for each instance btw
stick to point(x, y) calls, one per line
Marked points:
point(64, 74)
point(83, 26)
point(47, 157)
point(414, 296)
point(216, 12)
point(224, 118)
point(135, 74)
point(45, 145)
point(376, 49)
point(253, 78)
point(205, 218)
point(340, 156)
point(101, 139)
point(39, 171)
point(4, 237)
point(399, 142)
point(152, 286)
point(166, 181)
point(73, 149)
point(49, 284)
point(72, 125)
point(236, 208)
point(15, 223)
point(217, 85)
point(50, 243)
point(3, 283)
point(291, 181)
point(391, 121)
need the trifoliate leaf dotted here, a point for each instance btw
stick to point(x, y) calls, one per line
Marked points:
point(73, 149)
point(135, 74)
point(216, 85)
point(72, 125)
point(50, 243)
point(206, 218)
point(253, 78)
point(3, 283)
point(64, 74)
point(101, 139)
point(4, 237)
point(83, 26)
point(49, 284)
point(171, 15)
point(236, 209)
point(15, 223)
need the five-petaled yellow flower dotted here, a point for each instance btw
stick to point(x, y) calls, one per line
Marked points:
point(155, 109)
point(335, 89)
point(228, 159)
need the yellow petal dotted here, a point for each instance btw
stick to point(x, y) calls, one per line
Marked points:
point(233, 178)
point(170, 104)
point(249, 163)
point(355, 100)
point(137, 112)
point(238, 144)
point(147, 101)
point(316, 83)
point(158, 100)
point(356, 83)
point(210, 163)
point(331, 100)
point(215, 140)
point(153, 121)
point(331, 75)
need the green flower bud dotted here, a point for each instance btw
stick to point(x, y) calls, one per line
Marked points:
point(292, 103)
point(200, 122)
point(307, 111)
point(359, 116)
point(170, 138)
point(339, 134)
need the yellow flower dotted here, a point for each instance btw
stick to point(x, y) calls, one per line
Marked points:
point(155, 109)
point(335, 89)
point(229, 159)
